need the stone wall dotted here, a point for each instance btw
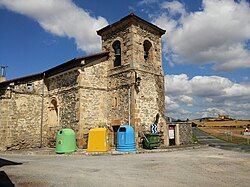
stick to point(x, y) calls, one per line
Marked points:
point(20, 116)
point(93, 97)
point(147, 99)
point(95, 94)
point(154, 62)
point(185, 133)
point(63, 87)
point(124, 35)
point(61, 104)
point(21, 111)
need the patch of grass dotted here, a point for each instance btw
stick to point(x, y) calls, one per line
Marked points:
point(194, 139)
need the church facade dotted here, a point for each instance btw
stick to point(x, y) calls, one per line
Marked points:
point(122, 84)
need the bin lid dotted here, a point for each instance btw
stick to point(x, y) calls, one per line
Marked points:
point(98, 129)
point(126, 128)
point(66, 131)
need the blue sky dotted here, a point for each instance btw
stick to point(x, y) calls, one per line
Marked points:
point(206, 55)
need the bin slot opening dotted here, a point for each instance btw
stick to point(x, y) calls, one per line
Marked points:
point(60, 132)
point(122, 129)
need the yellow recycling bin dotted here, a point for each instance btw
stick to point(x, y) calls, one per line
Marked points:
point(98, 140)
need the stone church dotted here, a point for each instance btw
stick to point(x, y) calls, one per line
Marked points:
point(122, 84)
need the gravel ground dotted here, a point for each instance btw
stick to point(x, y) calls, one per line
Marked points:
point(194, 167)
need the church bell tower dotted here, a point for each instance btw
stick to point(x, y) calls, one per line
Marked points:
point(135, 74)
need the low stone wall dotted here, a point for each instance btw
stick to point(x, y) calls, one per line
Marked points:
point(185, 133)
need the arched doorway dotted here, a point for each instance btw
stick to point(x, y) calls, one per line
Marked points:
point(53, 121)
point(53, 113)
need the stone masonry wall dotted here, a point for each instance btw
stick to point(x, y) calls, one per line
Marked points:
point(93, 96)
point(20, 117)
point(124, 35)
point(62, 89)
point(118, 99)
point(185, 133)
point(20, 112)
point(149, 100)
point(154, 62)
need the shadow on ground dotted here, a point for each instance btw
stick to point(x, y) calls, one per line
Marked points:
point(4, 179)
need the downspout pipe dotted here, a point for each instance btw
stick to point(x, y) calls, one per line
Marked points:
point(129, 105)
point(42, 108)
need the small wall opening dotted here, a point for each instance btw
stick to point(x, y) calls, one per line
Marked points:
point(147, 50)
point(115, 102)
point(117, 49)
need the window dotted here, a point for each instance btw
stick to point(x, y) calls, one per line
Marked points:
point(30, 87)
point(117, 48)
point(147, 46)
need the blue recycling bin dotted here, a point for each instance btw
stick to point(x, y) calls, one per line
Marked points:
point(126, 139)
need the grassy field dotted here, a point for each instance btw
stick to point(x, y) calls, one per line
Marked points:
point(229, 123)
point(230, 134)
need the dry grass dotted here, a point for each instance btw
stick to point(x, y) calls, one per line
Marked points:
point(230, 134)
point(230, 123)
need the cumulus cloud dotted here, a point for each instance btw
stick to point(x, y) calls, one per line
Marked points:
point(174, 7)
point(177, 84)
point(186, 100)
point(215, 35)
point(62, 18)
point(146, 2)
point(206, 96)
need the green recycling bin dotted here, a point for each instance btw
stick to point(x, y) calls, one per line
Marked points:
point(65, 141)
point(151, 141)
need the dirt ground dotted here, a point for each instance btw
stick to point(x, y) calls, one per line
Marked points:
point(194, 167)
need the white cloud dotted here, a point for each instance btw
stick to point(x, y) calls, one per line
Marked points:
point(62, 18)
point(238, 90)
point(174, 7)
point(177, 84)
point(208, 96)
point(172, 105)
point(146, 2)
point(216, 35)
point(209, 85)
point(186, 100)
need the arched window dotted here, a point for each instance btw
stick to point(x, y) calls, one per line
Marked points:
point(117, 48)
point(147, 46)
